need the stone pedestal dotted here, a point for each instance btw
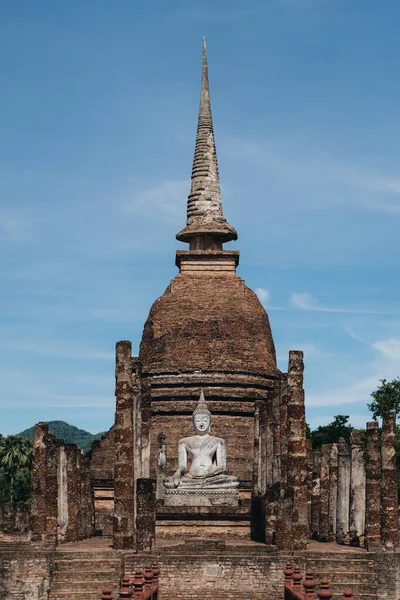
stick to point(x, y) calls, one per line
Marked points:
point(201, 497)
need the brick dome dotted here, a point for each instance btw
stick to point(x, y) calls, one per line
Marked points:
point(209, 322)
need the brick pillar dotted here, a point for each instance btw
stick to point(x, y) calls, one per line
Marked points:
point(257, 525)
point(373, 488)
point(343, 497)
point(315, 494)
point(389, 522)
point(357, 488)
point(145, 392)
point(72, 483)
point(310, 464)
point(276, 436)
point(324, 493)
point(284, 526)
point(145, 515)
point(124, 504)
point(85, 516)
point(263, 433)
point(283, 522)
point(39, 470)
point(297, 455)
point(62, 492)
point(79, 505)
point(333, 473)
point(161, 463)
point(89, 501)
point(51, 491)
point(284, 430)
point(269, 441)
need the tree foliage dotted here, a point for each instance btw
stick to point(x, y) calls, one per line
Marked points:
point(386, 398)
point(329, 434)
point(15, 468)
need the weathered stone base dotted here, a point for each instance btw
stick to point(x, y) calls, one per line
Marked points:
point(202, 497)
point(216, 530)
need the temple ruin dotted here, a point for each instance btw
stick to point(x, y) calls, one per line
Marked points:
point(209, 334)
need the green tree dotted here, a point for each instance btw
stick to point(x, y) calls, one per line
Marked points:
point(15, 464)
point(385, 398)
point(329, 434)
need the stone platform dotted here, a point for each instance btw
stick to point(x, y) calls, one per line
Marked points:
point(198, 569)
point(202, 497)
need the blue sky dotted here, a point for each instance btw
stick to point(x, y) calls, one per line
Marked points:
point(98, 109)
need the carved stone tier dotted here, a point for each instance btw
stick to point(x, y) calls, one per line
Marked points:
point(202, 497)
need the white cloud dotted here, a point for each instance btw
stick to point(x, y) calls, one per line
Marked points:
point(389, 348)
point(296, 159)
point(59, 349)
point(166, 199)
point(263, 295)
point(14, 226)
point(386, 366)
point(304, 301)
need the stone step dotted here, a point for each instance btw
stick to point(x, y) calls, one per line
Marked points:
point(78, 575)
point(78, 595)
point(86, 565)
point(95, 585)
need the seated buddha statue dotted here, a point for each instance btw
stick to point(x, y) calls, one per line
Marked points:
point(207, 454)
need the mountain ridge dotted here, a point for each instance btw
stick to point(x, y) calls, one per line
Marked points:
point(69, 433)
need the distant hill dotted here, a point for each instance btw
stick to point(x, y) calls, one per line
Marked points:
point(83, 439)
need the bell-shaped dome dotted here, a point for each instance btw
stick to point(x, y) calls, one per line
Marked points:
point(209, 322)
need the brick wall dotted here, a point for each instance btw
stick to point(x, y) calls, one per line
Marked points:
point(221, 575)
point(102, 463)
point(24, 575)
point(14, 521)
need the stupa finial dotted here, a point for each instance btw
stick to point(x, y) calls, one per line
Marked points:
point(201, 408)
point(206, 227)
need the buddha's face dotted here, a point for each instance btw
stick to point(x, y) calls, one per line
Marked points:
point(201, 423)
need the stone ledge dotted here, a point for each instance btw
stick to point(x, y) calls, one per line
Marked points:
point(206, 497)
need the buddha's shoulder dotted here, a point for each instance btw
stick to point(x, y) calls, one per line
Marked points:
point(188, 440)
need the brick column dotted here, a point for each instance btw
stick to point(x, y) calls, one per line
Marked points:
point(310, 465)
point(263, 433)
point(89, 501)
point(145, 392)
point(315, 493)
point(343, 497)
point(357, 488)
point(284, 431)
point(161, 463)
point(333, 473)
point(389, 522)
point(269, 441)
point(145, 515)
point(297, 455)
point(72, 483)
point(284, 526)
point(85, 503)
point(51, 491)
point(124, 508)
point(39, 470)
point(276, 436)
point(324, 493)
point(257, 524)
point(62, 492)
point(373, 488)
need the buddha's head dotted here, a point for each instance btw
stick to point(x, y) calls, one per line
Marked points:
point(201, 417)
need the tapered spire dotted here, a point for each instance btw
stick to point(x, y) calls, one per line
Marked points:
point(201, 408)
point(206, 227)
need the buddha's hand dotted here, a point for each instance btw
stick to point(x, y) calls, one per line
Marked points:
point(216, 471)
